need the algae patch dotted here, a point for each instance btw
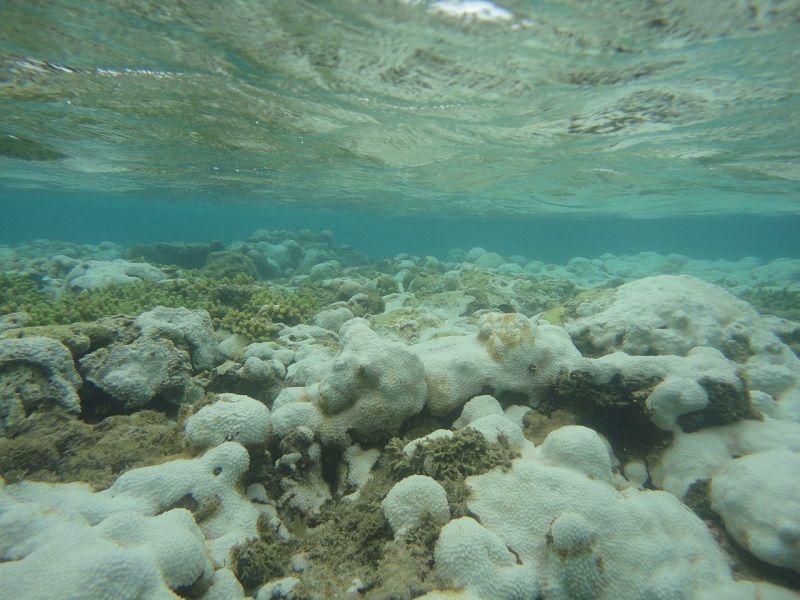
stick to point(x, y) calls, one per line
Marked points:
point(464, 454)
point(353, 549)
point(54, 446)
point(259, 560)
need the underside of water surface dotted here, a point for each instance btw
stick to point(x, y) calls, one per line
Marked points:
point(636, 109)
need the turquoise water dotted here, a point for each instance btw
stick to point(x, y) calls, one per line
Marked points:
point(83, 218)
point(517, 113)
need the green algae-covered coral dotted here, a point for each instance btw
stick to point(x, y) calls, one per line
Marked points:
point(236, 303)
point(385, 284)
point(229, 263)
point(523, 293)
point(258, 560)
point(779, 302)
point(257, 308)
point(353, 542)
point(466, 453)
point(53, 445)
point(18, 292)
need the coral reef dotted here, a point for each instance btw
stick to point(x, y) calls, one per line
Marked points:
point(237, 304)
point(475, 426)
point(55, 446)
point(34, 372)
point(180, 254)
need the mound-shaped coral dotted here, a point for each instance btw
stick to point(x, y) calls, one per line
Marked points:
point(575, 534)
point(35, 371)
point(373, 385)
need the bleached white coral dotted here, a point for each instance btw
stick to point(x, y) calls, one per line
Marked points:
point(470, 556)
point(701, 455)
point(672, 314)
point(231, 417)
point(647, 541)
point(666, 314)
point(97, 274)
point(211, 480)
point(78, 545)
point(580, 449)
point(508, 354)
point(477, 407)
point(758, 498)
point(411, 499)
point(575, 569)
point(372, 386)
point(485, 415)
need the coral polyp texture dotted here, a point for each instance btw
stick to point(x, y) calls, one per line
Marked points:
point(282, 418)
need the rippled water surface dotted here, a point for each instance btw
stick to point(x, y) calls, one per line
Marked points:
point(549, 107)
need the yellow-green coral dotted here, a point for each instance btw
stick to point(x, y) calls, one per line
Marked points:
point(500, 333)
point(238, 304)
point(554, 316)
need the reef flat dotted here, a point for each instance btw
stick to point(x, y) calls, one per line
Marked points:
point(285, 417)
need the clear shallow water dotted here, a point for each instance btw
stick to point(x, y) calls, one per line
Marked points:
point(82, 218)
point(573, 109)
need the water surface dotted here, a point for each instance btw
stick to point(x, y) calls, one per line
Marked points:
point(515, 109)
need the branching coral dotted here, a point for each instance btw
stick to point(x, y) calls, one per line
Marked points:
point(237, 304)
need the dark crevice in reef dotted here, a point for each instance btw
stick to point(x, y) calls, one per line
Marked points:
point(228, 382)
point(97, 405)
point(330, 461)
point(262, 468)
point(507, 398)
point(726, 404)
point(615, 408)
point(424, 423)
